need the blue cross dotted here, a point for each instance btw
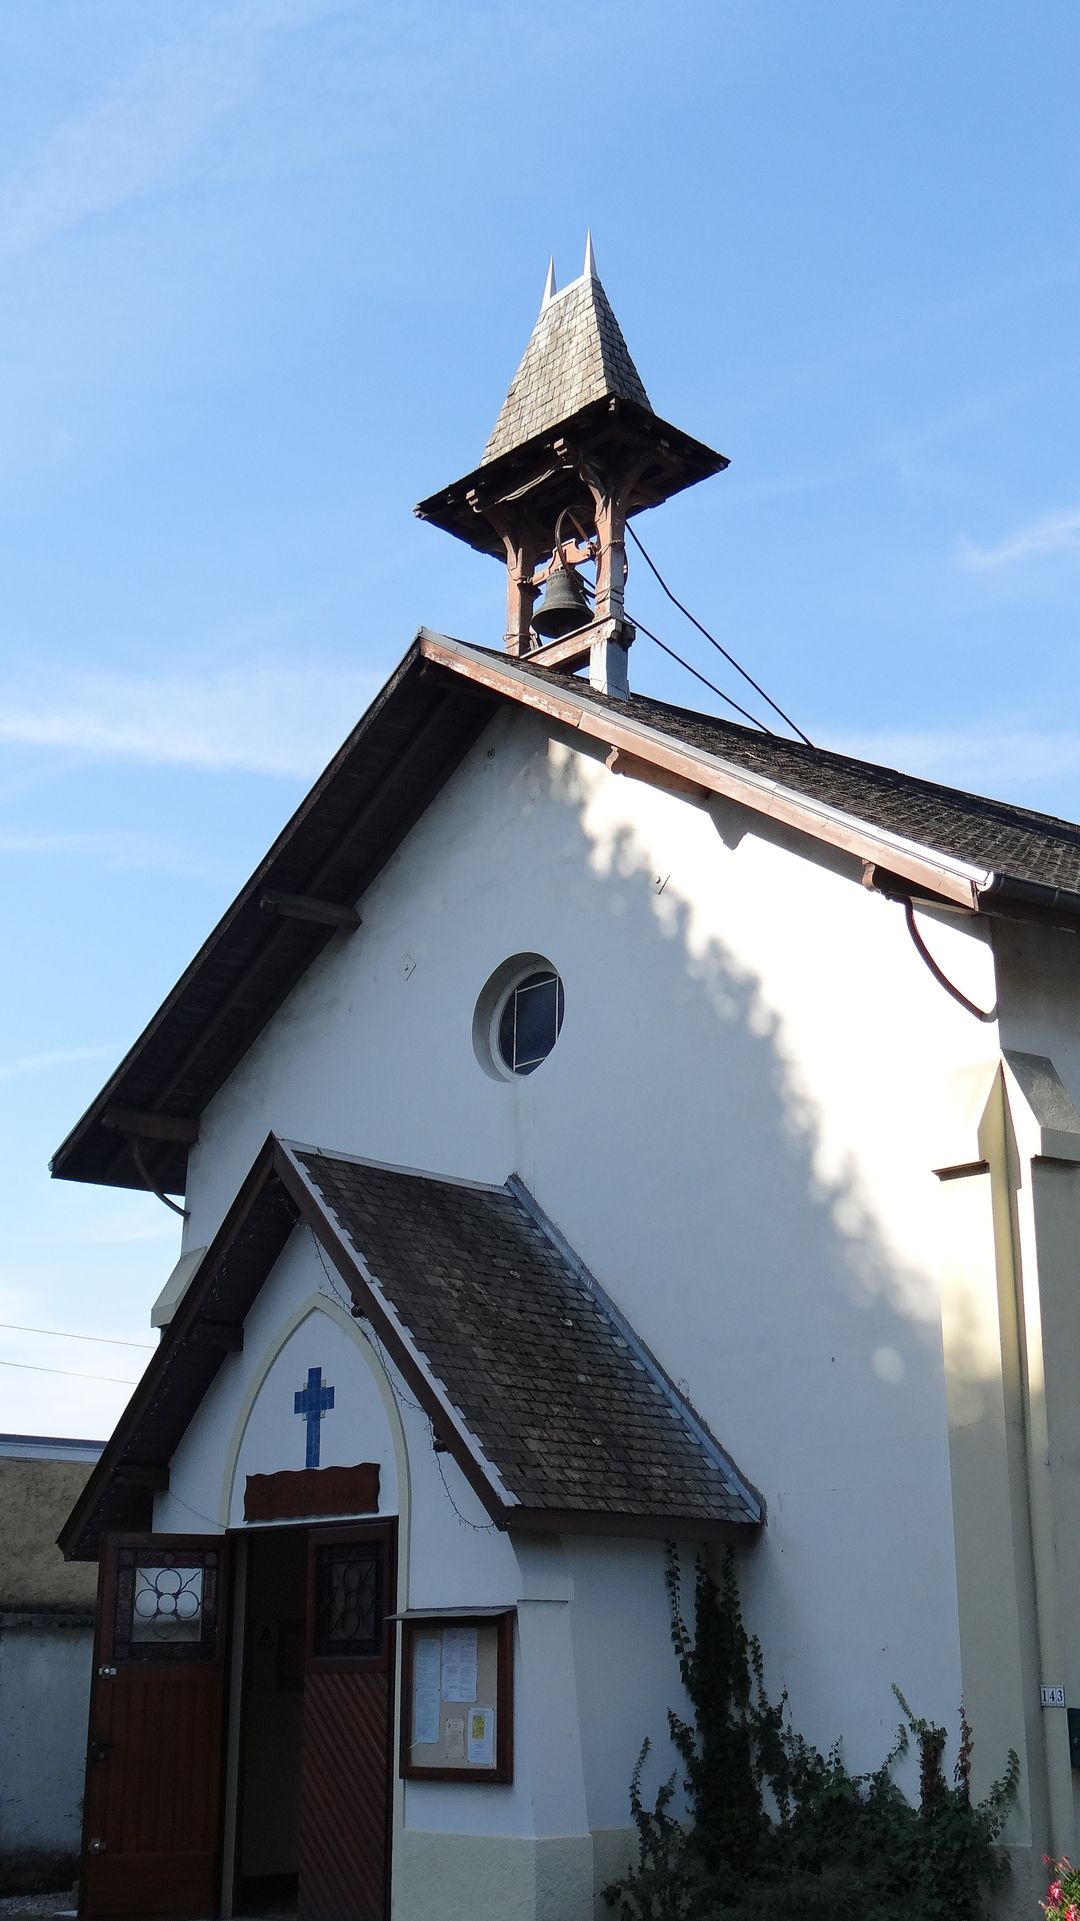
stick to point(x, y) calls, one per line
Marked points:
point(313, 1401)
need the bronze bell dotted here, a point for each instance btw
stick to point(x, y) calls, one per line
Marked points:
point(564, 605)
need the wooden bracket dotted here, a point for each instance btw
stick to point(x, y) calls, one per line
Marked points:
point(327, 913)
point(573, 650)
point(622, 763)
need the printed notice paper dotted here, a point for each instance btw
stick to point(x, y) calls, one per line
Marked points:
point(427, 1658)
point(481, 1737)
point(455, 1739)
point(459, 1664)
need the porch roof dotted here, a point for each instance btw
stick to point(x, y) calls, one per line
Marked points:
point(557, 1414)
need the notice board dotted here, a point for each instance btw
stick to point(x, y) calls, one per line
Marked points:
point(456, 1697)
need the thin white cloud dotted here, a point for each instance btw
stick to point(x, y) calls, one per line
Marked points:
point(277, 721)
point(51, 1057)
point(1003, 761)
point(1057, 536)
point(123, 852)
point(136, 138)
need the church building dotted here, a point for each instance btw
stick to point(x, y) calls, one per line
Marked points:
point(595, 1125)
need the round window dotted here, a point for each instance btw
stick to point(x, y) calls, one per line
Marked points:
point(530, 1020)
point(518, 1016)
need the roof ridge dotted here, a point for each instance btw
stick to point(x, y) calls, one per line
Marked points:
point(390, 1167)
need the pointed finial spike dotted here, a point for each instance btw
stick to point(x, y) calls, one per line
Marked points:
point(549, 284)
point(588, 272)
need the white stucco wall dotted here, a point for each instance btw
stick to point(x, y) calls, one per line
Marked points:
point(735, 1132)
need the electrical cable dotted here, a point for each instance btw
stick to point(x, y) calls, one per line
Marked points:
point(61, 1334)
point(941, 978)
point(71, 1373)
point(197, 1511)
point(710, 684)
point(474, 1527)
point(713, 642)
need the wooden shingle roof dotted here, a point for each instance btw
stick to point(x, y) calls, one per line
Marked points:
point(558, 1392)
point(576, 354)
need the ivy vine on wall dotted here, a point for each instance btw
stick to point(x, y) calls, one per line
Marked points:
point(778, 1831)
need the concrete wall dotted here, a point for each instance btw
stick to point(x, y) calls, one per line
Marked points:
point(44, 1697)
point(36, 1497)
point(46, 1648)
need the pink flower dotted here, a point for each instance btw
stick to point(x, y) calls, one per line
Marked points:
point(1053, 1892)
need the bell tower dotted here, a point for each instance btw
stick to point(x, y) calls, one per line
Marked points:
point(575, 451)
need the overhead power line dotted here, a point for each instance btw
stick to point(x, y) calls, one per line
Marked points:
point(71, 1373)
point(713, 642)
point(61, 1334)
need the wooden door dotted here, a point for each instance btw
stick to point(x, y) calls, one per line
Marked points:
point(345, 1786)
point(152, 1823)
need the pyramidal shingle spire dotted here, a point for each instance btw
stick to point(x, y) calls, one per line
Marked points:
point(576, 354)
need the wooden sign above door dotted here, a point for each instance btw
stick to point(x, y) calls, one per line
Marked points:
point(308, 1493)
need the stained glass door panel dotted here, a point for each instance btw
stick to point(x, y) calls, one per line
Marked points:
point(153, 1778)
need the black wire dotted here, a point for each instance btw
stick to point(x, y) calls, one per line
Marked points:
point(711, 638)
point(71, 1373)
point(710, 684)
point(61, 1334)
point(474, 1527)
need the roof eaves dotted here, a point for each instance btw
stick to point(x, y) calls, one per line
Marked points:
point(1005, 893)
point(280, 1158)
point(958, 880)
point(259, 877)
point(751, 1499)
point(142, 1403)
point(441, 730)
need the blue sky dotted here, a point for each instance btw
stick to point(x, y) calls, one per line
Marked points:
point(266, 269)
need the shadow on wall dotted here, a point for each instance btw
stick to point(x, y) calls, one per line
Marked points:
point(773, 1235)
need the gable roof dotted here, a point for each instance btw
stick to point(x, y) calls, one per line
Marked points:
point(556, 1414)
point(934, 841)
point(576, 354)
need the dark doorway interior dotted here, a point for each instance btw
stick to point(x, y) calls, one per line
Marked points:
point(273, 1705)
